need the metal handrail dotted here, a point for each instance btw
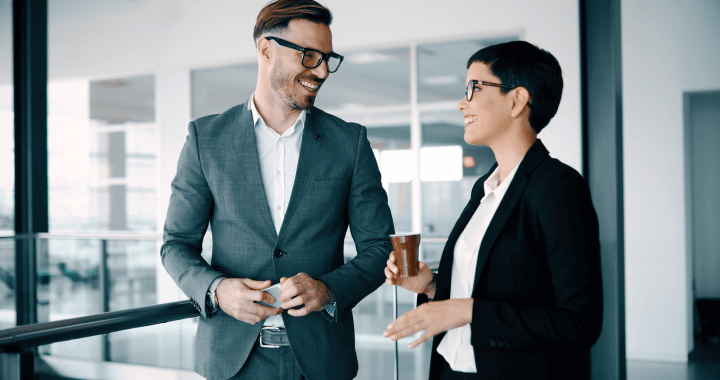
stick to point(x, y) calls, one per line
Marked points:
point(129, 235)
point(121, 235)
point(28, 336)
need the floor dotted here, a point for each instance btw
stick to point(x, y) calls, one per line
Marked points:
point(704, 364)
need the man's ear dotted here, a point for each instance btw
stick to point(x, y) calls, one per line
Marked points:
point(520, 100)
point(265, 49)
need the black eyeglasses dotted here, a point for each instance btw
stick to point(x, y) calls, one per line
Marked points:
point(471, 88)
point(312, 58)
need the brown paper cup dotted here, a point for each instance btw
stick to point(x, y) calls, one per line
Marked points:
point(406, 247)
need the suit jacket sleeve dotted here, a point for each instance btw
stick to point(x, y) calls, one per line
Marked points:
point(191, 206)
point(370, 224)
point(568, 226)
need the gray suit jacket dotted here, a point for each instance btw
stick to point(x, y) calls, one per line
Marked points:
point(337, 184)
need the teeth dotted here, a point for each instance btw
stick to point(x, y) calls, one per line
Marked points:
point(309, 86)
point(469, 119)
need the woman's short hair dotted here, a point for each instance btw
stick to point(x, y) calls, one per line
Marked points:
point(522, 64)
point(274, 17)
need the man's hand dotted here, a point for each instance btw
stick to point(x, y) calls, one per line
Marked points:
point(424, 282)
point(433, 317)
point(235, 297)
point(301, 289)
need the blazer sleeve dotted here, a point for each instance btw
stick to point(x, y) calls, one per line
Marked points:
point(370, 225)
point(189, 212)
point(568, 225)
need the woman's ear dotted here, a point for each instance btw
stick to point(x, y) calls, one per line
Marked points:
point(520, 101)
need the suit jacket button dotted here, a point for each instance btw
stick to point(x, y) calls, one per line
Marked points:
point(500, 343)
point(492, 342)
point(278, 253)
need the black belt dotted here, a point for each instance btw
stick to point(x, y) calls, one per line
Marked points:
point(273, 337)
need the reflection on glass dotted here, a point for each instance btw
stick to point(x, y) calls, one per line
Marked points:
point(102, 154)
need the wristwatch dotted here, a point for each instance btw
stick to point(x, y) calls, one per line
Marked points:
point(211, 299)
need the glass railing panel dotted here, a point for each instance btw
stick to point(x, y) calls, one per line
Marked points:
point(86, 276)
point(7, 283)
point(168, 345)
point(376, 354)
point(72, 283)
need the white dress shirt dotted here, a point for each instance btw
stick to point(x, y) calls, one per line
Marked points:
point(455, 346)
point(278, 155)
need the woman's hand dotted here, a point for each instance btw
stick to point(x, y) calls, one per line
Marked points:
point(424, 282)
point(433, 317)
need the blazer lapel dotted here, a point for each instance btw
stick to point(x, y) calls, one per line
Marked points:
point(535, 154)
point(246, 150)
point(310, 150)
point(446, 261)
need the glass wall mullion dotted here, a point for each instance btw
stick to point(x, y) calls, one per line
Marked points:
point(415, 140)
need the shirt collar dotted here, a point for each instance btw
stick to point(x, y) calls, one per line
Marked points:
point(491, 184)
point(256, 115)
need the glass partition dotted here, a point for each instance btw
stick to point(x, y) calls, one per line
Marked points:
point(102, 154)
point(217, 89)
point(7, 170)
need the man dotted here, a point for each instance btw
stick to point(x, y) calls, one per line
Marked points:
point(279, 181)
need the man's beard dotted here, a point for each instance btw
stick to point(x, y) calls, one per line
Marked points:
point(282, 84)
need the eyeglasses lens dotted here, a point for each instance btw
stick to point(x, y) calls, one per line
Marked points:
point(333, 64)
point(313, 59)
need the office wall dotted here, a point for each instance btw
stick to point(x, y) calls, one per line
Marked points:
point(668, 48)
point(92, 39)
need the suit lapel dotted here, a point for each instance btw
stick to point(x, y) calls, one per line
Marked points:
point(310, 150)
point(246, 150)
point(535, 154)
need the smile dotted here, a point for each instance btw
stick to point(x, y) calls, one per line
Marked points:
point(470, 119)
point(308, 85)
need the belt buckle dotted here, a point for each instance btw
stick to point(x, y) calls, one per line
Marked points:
point(270, 328)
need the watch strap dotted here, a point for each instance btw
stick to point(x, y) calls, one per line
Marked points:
point(211, 298)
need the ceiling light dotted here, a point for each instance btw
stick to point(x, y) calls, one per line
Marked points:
point(440, 80)
point(366, 57)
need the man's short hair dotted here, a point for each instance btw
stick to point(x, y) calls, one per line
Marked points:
point(522, 64)
point(275, 16)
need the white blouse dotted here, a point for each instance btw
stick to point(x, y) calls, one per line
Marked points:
point(455, 346)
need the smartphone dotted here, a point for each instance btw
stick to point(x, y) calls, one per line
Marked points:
point(273, 290)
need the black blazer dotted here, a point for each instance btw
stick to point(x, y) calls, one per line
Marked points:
point(538, 290)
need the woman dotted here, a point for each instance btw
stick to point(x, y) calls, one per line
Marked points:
point(518, 293)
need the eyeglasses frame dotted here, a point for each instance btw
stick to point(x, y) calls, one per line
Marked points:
point(471, 87)
point(324, 56)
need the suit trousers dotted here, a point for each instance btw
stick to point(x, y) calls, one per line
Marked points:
point(270, 364)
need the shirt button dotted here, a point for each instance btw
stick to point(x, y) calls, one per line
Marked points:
point(279, 207)
point(279, 172)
